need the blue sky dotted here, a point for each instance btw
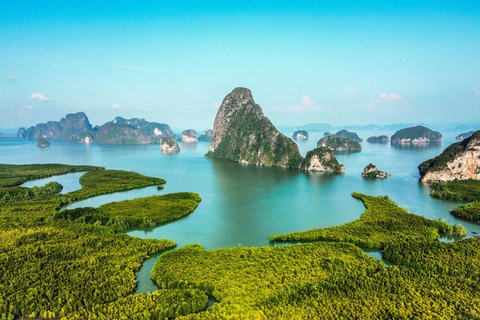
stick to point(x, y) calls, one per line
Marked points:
point(342, 62)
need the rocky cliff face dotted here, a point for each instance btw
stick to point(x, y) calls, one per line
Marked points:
point(243, 134)
point(417, 134)
point(71, 128)
point(349, 135)
point(77, 128)
point(22, 133)
point(339, 144)
point(371, 171)
point(460, 161)
point(189, 136)
point(321, 159)
point(111, 133)
point(169, 145)
point(153, 129)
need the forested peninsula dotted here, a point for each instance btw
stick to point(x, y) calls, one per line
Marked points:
point(74, 264)
point(59, 264)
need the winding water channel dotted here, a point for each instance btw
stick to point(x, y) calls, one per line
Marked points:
point(243, 205)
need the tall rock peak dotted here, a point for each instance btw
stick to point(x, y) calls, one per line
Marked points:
point(243, 134)
point(239, 101)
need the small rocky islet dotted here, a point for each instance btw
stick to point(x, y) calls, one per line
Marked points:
point(43, 143)
point(300, 135)
point(379, 139)
point(339, 144)
point(371, 171)
point(169, 145)
point(189, 136)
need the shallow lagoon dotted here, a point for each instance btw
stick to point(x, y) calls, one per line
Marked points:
point(243, 205)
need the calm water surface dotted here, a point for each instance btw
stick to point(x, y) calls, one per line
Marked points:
point(243, 205)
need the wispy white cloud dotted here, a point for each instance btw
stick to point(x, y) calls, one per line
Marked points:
point(28, 107)
point(10, 77)
point(215, 105)
point(40, 97)
point(476, 92)
point(390, 97)
point(307, 104)
point(145, 109)
point(116, 107)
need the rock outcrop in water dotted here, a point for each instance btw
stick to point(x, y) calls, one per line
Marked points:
point(43, 143)
point(379, 139)
point(349, 135)
point(22, 133)
point(321, 159)
point(300, 135)
point(243, 134)
point(339, 144)
point(111, 133)
point(415, 135)
point(460, 160)
point(169, 145)
point(371, 171)
point(153, 129)
point(72, 128)
point(189, 136)
point(206, 136)
point(77, 128)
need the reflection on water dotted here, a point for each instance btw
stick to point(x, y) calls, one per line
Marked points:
point(417, 146)
point(189, 145)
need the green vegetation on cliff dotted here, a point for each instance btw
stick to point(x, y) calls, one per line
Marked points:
point(379, 139)
point(339, 144)
point(349, 135)
point(243, 134)
point(441, 161)
point(110, 133)
point(416, 134)
point(321, 159)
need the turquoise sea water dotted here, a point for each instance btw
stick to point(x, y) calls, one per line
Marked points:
point(243, 205)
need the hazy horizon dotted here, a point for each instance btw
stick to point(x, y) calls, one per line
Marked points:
point(354, 63)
